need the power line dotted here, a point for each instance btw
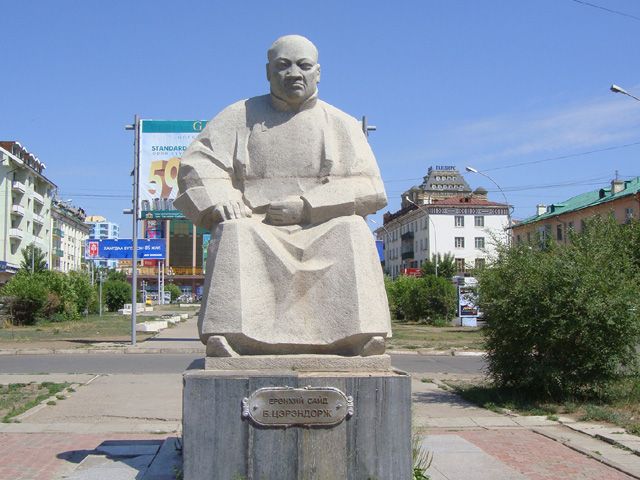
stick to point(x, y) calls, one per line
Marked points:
point(606, 9)
point(561, 158)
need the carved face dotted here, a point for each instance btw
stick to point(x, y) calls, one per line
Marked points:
point(293, 70)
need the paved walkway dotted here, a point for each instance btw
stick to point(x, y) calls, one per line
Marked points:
point(115, 427)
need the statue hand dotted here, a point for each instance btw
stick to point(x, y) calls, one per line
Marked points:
point(228, 211)
point(286, 212)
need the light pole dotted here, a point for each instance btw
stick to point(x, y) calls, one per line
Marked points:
point(435, 237)
point(473, 170)
point(382, 226)
point(617, 89)
point(100, 277)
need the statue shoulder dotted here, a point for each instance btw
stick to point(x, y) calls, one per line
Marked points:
point(235, 115)
point(336, 115)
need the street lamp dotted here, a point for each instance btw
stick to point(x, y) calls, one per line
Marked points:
point(385, 228)
point(435, 237)
point(473, 170)
point(617, 89)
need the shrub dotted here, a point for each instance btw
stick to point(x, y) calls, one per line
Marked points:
point(175, 291)
point(560, 320)
point(116, 294)
point(26, 297)
point(427, 299)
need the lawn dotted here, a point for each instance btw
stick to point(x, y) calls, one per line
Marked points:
point(110, 327)
point(17, 398)
point(415, 336)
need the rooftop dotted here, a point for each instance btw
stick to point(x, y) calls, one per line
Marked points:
point(586, 200)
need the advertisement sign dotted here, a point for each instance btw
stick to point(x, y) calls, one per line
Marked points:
point(414, 272)
point(468, 310)
point(108, 249)
point(162, 143)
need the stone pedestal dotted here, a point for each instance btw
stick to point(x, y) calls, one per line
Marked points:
point(222, 444)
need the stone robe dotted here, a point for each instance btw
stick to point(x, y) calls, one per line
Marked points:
point(316, 287)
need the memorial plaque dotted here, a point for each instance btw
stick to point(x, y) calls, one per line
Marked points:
point(287, 406)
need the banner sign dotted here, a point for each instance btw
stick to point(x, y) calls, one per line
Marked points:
point(162, 143)
point(107, 249)
point(468, 306)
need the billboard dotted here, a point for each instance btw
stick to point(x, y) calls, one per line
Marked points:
point(162, 143)
point(108, 249)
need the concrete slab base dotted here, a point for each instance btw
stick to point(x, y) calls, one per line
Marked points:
point(306, 363)
point(375, 442)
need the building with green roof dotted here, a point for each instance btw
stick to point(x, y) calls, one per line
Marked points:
point(621, 200)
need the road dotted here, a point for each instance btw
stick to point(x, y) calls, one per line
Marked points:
point(177, 363)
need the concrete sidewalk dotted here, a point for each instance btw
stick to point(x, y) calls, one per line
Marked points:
point(126, 426)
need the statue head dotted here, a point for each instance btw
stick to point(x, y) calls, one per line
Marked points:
point(293, 69)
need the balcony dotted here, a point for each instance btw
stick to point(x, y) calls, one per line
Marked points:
point(38, 219)
point(57, 232)
point(56, 252)
point(15, 233)
point(38, 198)
point(18, 186)
point(17, 209)
point(407, 255)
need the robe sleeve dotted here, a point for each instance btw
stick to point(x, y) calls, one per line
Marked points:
point(352, 183)
point(206, 177)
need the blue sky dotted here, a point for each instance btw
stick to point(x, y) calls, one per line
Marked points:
point(516, 89)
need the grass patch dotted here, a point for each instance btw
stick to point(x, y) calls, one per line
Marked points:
point(414, 336)
point(92, 328)
point(17, 398)
point(618, 404)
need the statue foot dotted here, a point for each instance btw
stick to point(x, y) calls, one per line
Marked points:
point(217, 346)
point(375, 346)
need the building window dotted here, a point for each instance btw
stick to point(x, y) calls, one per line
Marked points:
point(459, 221)
point(479, 242)
point(559, 232)
point(478, 221)
point(459, 242)
point(628, 214)
point(460, 265)
point(480, 263)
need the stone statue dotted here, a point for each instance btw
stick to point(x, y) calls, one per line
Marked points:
point(283, 182)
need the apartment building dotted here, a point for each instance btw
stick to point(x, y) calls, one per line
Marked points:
point(432, 221)
point(68, 236)
point(101, 229)
point(620, 199)
point(25, 206)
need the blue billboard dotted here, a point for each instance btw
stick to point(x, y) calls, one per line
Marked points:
point(106, 249)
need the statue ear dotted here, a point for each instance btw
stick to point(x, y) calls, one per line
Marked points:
point(318, 81)
point(268, 73)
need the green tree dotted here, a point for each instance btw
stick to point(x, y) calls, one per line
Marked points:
point(85, 293)
point(446, 266)
point(33, 259)
point(175, 291)
point(562, 320)
point(26, 296)
point(426, 299)
point(116, 293)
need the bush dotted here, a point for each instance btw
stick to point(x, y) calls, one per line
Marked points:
point(561, 320)
point(427, 299)
point(116, 293)
point(26, 296)
point(175, 291)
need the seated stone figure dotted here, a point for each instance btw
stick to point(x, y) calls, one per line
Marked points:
point(283, 182)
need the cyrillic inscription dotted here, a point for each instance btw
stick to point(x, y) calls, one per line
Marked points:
point(286, 406)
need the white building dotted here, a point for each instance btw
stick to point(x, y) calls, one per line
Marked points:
point(25, 206)
point(465, 226)
point(69, 234)
point(101, 229)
